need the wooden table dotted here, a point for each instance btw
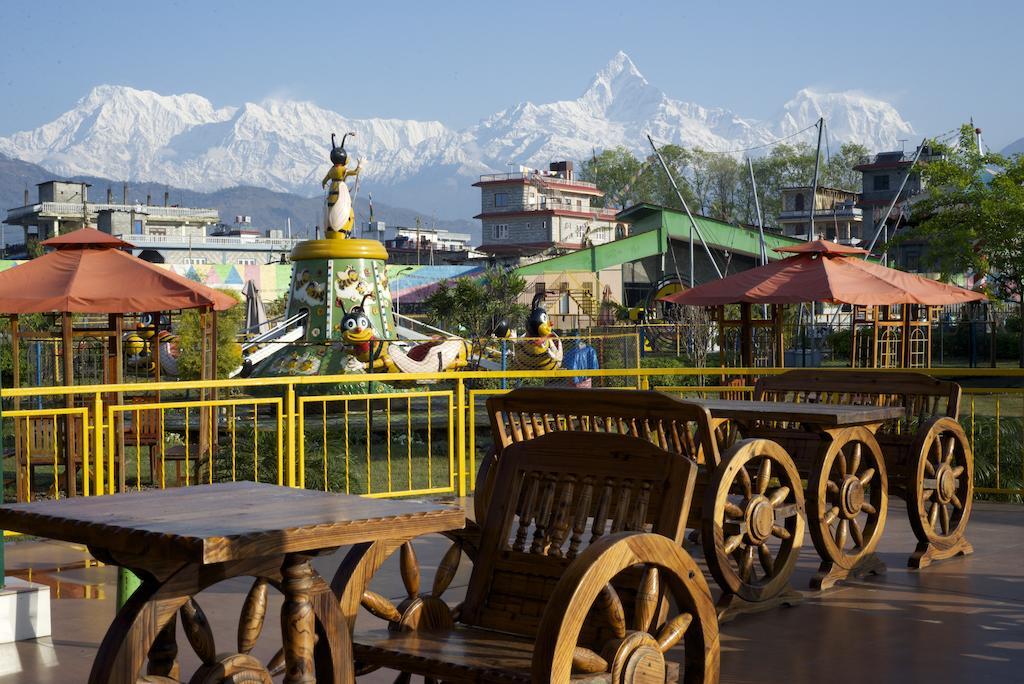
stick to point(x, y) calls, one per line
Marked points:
point(181, 541)
point(815, 416)
point(834, 447)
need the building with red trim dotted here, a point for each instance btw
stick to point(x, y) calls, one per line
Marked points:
point(532, 213)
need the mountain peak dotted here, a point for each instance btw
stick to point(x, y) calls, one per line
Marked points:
point(618, 83)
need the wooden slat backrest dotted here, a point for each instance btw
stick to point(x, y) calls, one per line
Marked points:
point(677, 426)
point(558, 493)
point(923, 396)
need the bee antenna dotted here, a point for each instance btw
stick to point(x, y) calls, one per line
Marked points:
point(362, 304)
point(334, 144)
point(538, 300)
point(344, 137)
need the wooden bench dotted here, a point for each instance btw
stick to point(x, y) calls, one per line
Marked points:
point(570, 581)
point(927, 455)
point(749, 500)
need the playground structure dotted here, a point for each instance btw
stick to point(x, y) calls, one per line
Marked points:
point(79, 283)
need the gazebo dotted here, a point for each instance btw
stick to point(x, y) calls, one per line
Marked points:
point(893, 303)
point(89, 273)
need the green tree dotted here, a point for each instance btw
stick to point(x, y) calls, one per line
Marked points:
point(616, 172)
point(229, 352)
point(473, 306)
point(972, 216)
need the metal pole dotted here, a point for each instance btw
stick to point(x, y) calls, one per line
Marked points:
point(760, 220)
point(693, 223)
point(814, 185)
point(881, 224)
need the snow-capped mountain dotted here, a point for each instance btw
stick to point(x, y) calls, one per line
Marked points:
point(184, 140)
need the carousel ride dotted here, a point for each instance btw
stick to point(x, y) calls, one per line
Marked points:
point(339, 317)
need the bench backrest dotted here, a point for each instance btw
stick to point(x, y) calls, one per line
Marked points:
point(923, 396)
point(676, 426)
point(560, 492)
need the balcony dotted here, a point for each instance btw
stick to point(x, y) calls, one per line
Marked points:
point(552, 204)
point(534, 176)
point(200, 242)
point(152, 212)
point(845, 213)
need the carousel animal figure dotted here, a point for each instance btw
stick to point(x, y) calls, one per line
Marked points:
point(540, 349)
point(339, 214)
point(359, 335)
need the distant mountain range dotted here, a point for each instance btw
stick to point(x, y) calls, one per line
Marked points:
point(184, 141)
point(268, 208)
point(1016, 147)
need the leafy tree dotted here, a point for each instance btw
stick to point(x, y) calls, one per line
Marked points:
point(616, 172)
point(474, 306)
point(229, 352)
point(972, 216)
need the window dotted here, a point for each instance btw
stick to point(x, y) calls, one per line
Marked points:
point(245, 261)
point(501, 199)
point(500, 231)
point(798, 202)
point(880, 182)
point(194, 260)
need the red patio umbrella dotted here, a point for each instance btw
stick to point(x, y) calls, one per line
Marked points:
point(823, 271)
point(89, 273)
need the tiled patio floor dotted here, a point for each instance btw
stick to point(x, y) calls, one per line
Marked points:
point(961, 620)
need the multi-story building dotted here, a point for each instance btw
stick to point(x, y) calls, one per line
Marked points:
point(420, 245)
point(836, 214)
point(883, 175)
point(532, 213)
point(159, 233)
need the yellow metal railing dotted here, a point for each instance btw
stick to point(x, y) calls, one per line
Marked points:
point(336, 433)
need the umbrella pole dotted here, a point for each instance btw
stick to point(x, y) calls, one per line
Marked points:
point(68, 335)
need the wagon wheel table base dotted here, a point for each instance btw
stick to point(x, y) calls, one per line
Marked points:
point(847, 490)
point(182, 541)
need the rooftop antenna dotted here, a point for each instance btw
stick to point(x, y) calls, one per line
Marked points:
point(903, 145)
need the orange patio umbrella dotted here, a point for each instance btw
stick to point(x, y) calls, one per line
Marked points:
point(89, 273)
point(823, 271)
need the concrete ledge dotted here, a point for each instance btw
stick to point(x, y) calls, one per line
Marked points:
point(24, 611)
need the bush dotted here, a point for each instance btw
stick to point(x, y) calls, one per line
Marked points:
point(229, 353)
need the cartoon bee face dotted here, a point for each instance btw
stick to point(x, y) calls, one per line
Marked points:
point(355, 326)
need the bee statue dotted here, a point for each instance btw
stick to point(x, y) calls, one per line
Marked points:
point(359, 335)
point(540, 349)
point(339, 214)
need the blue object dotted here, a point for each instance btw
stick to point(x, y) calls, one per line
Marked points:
point(580, 357)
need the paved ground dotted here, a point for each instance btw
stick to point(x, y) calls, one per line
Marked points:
point(961, 620)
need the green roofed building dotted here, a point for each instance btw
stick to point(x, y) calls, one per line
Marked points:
point(658, 245)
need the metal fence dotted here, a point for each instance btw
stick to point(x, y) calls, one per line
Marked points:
point(379, 435)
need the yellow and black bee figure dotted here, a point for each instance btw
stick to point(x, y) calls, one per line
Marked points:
point(338, 214)
point(540, 349)
point(359, 335)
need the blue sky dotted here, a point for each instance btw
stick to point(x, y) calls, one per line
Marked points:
point(940, 62)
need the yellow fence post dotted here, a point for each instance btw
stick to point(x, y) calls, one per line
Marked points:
point(97, 429)
point(460, 432)
point(290, 432)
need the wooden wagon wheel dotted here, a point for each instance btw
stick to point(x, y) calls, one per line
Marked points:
point(426, 611)
point(634, 647)
point(753, 523)
point(846, 505)
point(940, 496)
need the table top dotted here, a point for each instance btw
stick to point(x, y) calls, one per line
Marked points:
point(827, 415)
point(230, 521)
